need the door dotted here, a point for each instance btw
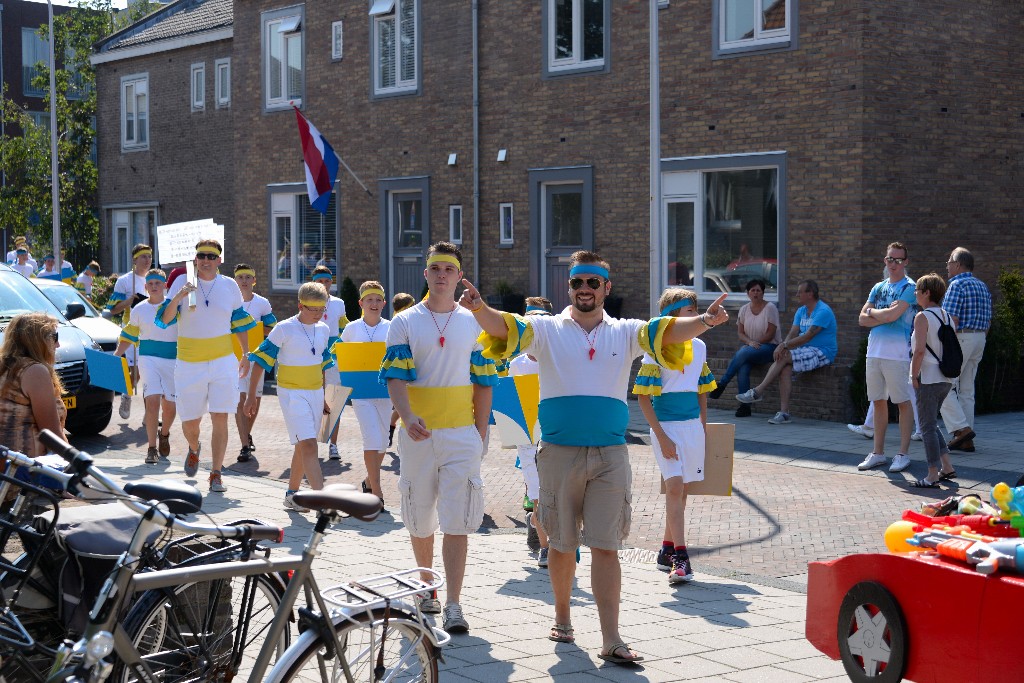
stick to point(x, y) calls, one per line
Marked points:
point(562, 230)
point(131, 228)
point(407, 233)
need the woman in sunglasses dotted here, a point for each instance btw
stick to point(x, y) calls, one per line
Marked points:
point(29, 387)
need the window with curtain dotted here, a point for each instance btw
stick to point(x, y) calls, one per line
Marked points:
point(395, 46)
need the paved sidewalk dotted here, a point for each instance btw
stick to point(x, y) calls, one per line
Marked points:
point(713, 629)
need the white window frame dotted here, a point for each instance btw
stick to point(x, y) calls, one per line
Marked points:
point(337, 40)
point(761, 39)
point(289, 201)
point(455, 215)
point(289, 25)
point(222, 82)
point(132, 144)
point(198, 72)
point(576, 62)
point(506, 226)
point(389, 11)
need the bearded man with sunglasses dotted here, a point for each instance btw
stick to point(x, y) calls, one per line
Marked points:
point(585, 358)
point(206, 373)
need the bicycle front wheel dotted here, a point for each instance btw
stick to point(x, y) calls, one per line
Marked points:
point(409, 656)
point(204, 631)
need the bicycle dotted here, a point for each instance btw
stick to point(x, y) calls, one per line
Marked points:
point(369, 629)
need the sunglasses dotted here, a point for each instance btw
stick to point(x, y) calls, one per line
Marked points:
point(592, 282)
point(53, 336)
point(897, 261)
point(207, 257)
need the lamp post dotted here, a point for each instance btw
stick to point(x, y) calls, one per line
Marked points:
point(54, 178)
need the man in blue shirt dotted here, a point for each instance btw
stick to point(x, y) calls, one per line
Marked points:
point(810, 344)
point(970, 303)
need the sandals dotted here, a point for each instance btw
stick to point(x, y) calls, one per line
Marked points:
point(923, 483)
point(946, 476)
point(610, 656)
point(562, 633)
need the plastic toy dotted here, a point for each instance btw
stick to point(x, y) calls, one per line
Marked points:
point(982, 524)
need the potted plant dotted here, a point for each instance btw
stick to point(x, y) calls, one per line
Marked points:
point(505, 298)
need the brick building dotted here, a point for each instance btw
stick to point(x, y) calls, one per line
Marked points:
point(795, 143)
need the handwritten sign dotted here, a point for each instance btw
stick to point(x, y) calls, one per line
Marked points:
point(176, 242)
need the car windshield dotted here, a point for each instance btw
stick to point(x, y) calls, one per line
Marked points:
point(18, 295)
point(63, 295)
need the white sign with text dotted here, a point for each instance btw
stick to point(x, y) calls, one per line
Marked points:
point(176, 242)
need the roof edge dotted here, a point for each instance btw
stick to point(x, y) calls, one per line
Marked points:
point(163, 46)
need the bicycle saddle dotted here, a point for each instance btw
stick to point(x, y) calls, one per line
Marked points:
point(180, 498)
point(362, 506)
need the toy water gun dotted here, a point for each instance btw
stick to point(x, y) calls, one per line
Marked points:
point(1010, 502)
point(987, 555)
point(980, 524)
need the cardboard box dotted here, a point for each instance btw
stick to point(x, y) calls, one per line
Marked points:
point(718, 456)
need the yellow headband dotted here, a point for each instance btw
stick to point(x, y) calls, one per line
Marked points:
point(142, 252)
point(444, 258)
point(371, 290)
point(207, 249)
point(312, 304)
point(245, 271)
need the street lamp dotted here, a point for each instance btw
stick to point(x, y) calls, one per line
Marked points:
point(54, 178)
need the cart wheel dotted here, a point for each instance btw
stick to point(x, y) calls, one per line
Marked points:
point(872, 635)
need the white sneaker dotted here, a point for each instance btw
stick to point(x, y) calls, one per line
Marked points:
point(292, 505)
point(749, 396)
point(873, 460)
point(916, 436)
point(866, 432)
point(332, 452)
point(780, 418)
point(125, 409)
point(900, 462)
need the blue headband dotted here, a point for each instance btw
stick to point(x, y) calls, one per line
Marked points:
point(588, 269)
point(156, 276)
point(322, 276)
point(539, 309)
point(682, 303)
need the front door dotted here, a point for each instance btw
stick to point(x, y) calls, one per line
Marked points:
point(131, 228)
point(407, 236)
point(562, 230)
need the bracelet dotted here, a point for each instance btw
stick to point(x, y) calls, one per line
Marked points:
point(478, 308)
point(702, 317)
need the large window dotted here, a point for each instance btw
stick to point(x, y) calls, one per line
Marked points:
point(576, 35)
point(396, 47)
point(135, 112)
point(723, 219)
point(282, 58)
point(33, 51)
point(753, 25)
point(302, 237)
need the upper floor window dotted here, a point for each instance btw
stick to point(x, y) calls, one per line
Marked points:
point(576, 35)
point(222, 81)
point(135, 112)
point(283, 58)
point(396, 46)
point(198, 86)
point(753, 25)
point(33, 51)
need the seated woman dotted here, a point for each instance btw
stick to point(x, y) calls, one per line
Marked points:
point(758, 329)
point(29, 387)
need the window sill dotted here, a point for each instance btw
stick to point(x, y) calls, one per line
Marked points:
point(754, 49)
point(140, 148)
point(577, 70)
point(506, 245)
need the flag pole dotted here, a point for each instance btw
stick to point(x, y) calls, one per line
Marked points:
point(354, 176)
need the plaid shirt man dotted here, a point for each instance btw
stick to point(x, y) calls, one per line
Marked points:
point(970, 301)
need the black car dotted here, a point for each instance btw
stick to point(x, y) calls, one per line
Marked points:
point(89, 407)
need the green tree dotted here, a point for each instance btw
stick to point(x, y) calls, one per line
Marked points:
point(25, 199)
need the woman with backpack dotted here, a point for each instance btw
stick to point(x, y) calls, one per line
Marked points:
point(930, 383)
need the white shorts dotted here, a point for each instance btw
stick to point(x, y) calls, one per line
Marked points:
point(688, 437)
point(528, 461)
point(887, 379)
point(303, 412)
point(207, 387)
point(131, 354)
point(374, 416)
point(243, 384)
point(157, 376)
point(439, 481)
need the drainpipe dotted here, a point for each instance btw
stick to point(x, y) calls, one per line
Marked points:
point(476, 143)
point(655, 236)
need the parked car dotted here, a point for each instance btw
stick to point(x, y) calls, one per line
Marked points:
point(89, 407)
point(735, 276)
point(90, 321)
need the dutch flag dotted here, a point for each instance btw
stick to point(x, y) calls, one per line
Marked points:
point(320, 161)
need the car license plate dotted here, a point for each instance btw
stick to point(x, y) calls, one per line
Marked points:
point(69, 401)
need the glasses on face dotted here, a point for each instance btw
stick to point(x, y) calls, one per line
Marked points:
point(949, 263)
point(207, 257)
point(592, 282)
point(53, 336)
point(897, 261)
point(315, 309)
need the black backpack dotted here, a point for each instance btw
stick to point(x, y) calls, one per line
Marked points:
point(952, 356)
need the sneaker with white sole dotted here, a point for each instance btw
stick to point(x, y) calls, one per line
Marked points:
point(749, 396)
point(900, 462)
point(454, 621)
point(665, 557)
point(873, 460)
point(681, 570)
point(429, 604)
point(332, 452)
point(192, 461)
point(542, 558)
point(290, 503)
point(125, 407)
point(217, 483)
point(861, 430)
point(916, 436)
point(532, 538)
point(780, 418)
